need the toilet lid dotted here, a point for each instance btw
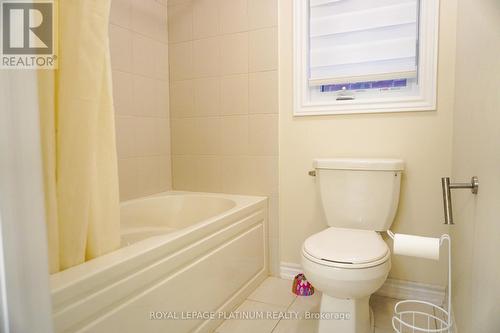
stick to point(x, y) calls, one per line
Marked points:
point(346, 246)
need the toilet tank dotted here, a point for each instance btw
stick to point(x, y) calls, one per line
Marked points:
point(359, 193)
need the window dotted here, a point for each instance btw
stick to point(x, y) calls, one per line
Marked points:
point(359, 56)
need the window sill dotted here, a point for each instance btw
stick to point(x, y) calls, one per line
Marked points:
point(358, 107)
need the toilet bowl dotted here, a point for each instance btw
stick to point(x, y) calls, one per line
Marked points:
point(349, 260)
point(346, 274)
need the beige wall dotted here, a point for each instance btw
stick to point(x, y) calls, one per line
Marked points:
point(224, 98)
point(139, 58)
point(476, 151)
point(422, 139)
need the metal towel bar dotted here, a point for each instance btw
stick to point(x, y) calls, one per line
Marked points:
point(447, 187)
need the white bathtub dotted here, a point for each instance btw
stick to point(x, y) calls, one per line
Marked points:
point(181, 251)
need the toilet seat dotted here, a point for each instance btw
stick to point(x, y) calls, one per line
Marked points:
point(346, 248)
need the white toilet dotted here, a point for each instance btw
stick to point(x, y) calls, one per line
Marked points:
point(349, 260)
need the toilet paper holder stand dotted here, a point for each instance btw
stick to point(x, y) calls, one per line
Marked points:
point(447, 186)
point(406, 311)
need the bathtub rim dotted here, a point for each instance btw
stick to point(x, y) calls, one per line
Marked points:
point(62, 280)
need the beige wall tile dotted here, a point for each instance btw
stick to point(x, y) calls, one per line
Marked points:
point(154, 12)
point(138, 40)
point(177, 2)
point(161, 61)
point(123, 92)
point(250, 175)
point(148, 18)
point(126, 136)
point(152, 174)
point(206, 57)
point(141, 176)
point(121, 13)
point(152, 137)
point(263, 50)
point(127, 173)
point(144, 96)
point(208, 174)
point(234, 94)
point(181, 61)
point(162, 131)
point(183, 136)
point(144, 53)
point(164, 173)
point(180, 23)
point(120, 45)
point(263, 92)
point(163, 99)
point(207, 97)
point(235, 171)
point(184, 172)
point(233, 16)
point(149, 97)
point(234, 135)
point(163, 26)
point(208, 136)
point(212, 147)
point(234, 53)
point(262, 13)
point(182, 99)
point(263, 134)
point(205, 18)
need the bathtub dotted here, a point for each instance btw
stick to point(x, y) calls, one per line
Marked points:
point(184, 256)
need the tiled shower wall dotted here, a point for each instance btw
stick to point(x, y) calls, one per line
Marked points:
point(139, 59)
point(224, 99)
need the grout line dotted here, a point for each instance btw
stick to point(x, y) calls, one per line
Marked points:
point(224, 115)
point(119, 115)
point(141, 75)
point(249, 103)
point(129, 29)
point(223, 34)
point(376, 328)
point(266, 303)
point(144, 156)
point(219, 76)
point(222, 156)
point(287, 309)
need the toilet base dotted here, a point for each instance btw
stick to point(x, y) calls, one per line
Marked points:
point(345, 315)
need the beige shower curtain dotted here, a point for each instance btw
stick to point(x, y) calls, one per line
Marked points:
point(78, 138)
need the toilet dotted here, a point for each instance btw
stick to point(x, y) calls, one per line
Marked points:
point(349, 260)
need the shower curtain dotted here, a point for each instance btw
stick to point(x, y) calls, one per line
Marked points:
point(78, 139)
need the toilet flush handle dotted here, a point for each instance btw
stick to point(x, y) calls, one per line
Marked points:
point(312, 173)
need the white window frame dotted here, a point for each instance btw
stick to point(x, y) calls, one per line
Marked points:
point(427, 70)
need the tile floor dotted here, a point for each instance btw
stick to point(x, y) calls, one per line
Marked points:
point(274, 295)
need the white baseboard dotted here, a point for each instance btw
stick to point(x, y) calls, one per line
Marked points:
point(400, 289)
point(392, 288)
point(289, 270)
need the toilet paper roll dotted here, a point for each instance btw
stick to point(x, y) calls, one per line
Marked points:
point(416, 246)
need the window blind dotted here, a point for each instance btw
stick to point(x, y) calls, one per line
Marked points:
point(362, 40)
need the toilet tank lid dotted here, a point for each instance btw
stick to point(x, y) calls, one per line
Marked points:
point(377, 164)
